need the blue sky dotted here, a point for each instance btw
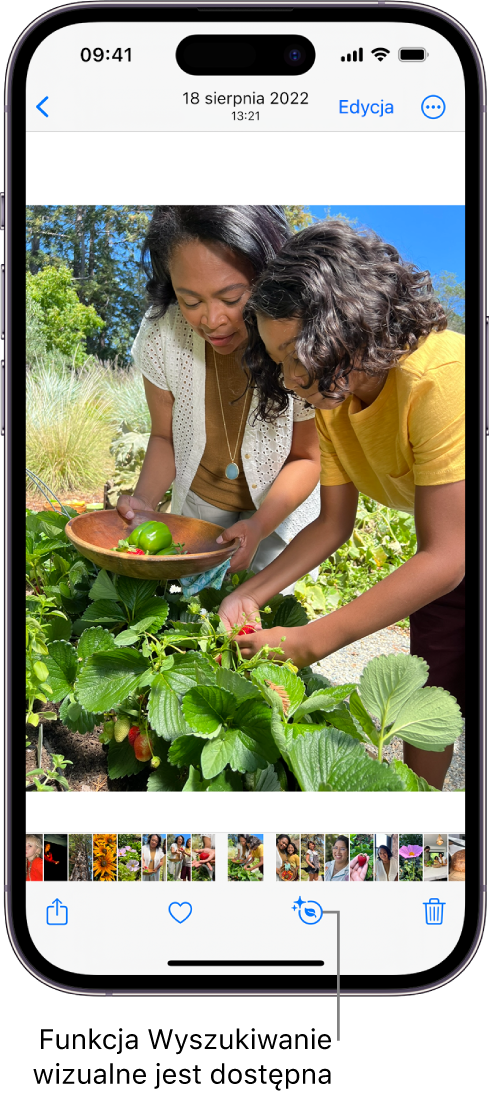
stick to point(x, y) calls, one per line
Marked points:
point(430, 236)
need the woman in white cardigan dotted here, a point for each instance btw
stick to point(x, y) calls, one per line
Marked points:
point(153, 855)
point(258, 480)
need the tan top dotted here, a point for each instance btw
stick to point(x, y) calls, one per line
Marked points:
point(210, 482)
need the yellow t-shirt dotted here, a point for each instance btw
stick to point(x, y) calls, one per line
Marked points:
point(257, 854)
point(411, 435)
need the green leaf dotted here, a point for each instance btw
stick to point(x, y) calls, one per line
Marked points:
point(207, 708)
point(359, 712)
point(104, 612)
point(195, 782)
point(429, 720)
point(94, 639)
point(388, 681)
point(122, 761)
point(176, 640)
point(164, 712)
point(244, 757)
point(103, 588)
point(290, 614)
point(344, 721)
point(127, 638)
point(185, 751)
point(239, 686)
point(41, 671)
point(151, 615)
point(329, 760)
point(267, 780)
point(165, 778)
point(412, 782)
point(57, 627)
point(216, 754)
point(62, 665)
point(226, 781)
point(183, 674)
point(284, 678)
point(76, 718)
point(254, 718)
point(313, 681)
point(324, 700)
point(279, 733)
point(108, 677)
point(134, 592)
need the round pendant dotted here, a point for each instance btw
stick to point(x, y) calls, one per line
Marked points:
point(232, 471)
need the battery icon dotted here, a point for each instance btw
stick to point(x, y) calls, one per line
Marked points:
point(412, 54)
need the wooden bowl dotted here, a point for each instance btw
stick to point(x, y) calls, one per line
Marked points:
point(96, 533)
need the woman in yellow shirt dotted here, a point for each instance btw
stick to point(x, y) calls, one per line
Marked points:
point(340, 319)
point(255, 856)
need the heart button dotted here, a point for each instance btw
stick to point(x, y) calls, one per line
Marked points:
point(180, 911)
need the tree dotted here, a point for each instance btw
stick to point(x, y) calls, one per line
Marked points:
point(451, 295)
point(298, 217)
point(101, 246)
point(60, 318)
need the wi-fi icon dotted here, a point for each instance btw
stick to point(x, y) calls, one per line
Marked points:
point(380, 52)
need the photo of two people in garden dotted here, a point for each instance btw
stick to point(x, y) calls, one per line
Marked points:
point(293, 376)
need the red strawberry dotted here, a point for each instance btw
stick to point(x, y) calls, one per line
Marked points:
point(136, 552)
point(247, 630)
point(133, 734)
point(142, 748)
point(362, 860)
point(218, 659)
point(204, 855)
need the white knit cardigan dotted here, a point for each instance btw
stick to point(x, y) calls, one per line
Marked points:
point(172, 356)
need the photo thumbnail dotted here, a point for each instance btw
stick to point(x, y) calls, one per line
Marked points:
point(411, 857)
point(312, 857)
point(55, 857)
point(435, 857)
point(129, 857)
point(203, 857)
point(288, 857)
point(336, 858)
point(386, 857)
point(361, 857)
point(80, 857)
point(245, 857)
point(105, 857)
point(153, 856)
point(34, 850)
point(179, 858)
point(456, 849)
point(198, 379)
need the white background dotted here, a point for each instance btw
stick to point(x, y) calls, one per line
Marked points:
point(435, 1042)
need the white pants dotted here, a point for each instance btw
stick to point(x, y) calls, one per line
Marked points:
point(268, 549)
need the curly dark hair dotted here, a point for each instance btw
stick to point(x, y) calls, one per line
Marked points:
point(150, 835)
point(255, 233)
point(387, 850)
point(357, 300)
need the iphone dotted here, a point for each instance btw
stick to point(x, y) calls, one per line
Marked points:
point(235, 317)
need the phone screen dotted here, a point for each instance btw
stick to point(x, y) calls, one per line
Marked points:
point(245, 311)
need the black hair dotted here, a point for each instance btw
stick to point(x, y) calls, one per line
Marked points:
point(281, 836)
point(253, 842)
point(254, 233)
point(388, 851)
point(341, 837)
point(150, 835)
point(294, 846)
point(360, 305)
point(177, 835)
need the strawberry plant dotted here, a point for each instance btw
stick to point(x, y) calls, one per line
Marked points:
point(176, 698)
